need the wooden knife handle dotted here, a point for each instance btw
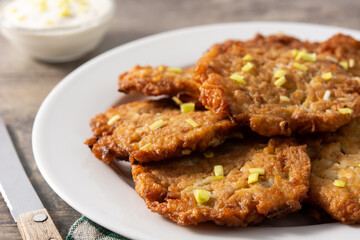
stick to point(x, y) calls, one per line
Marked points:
point(37, 225)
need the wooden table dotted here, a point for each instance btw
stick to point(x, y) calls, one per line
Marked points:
point(24, 83)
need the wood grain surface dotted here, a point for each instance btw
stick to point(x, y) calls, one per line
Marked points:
point(24, 83)
point(37, 225)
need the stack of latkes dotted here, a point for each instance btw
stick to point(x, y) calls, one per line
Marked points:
point(253, 131)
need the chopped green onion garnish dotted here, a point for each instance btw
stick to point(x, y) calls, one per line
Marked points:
point(192, 122)
point(326, 76)
point(145, 146)
point(65, 12)
point(281, 81)
point(339, 183)
point(83, 2)
point(253, 177)
point(345, 110)
point(113, 119)
point(284, 99)
point(21, 17)
point(161, 68)
point(216, 177)
point(247, 67)
point(201, 196)
point(157, 124)
point(344, 64)
point(261, 171)
point(351, 63)
point(300, 66)
point(175, 70)
point(247, 57)
point(219, 170)
point(177, 100)
point(187, 107)
point(300, 55)
point(42, 6)
point(295, 52)
point(279, 73)
point(208, 154)
point(309, 57)
point(327, 95)
point(49, 22)
point(332, 59)
point(237, 78)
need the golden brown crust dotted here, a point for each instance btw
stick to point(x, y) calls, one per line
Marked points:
point(258, 101)
point(175, 138)
point(342, 48)
point(338, 157)
point(158, 81)
point(167, 187)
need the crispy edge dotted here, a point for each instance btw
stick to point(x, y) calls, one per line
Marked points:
point(337, 202)
point(264, 124)
point(104, 147)
point(149, 187)
point(157, 81)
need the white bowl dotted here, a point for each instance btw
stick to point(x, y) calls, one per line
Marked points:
point(59, 44)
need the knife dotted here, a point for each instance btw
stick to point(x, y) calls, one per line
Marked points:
point(33, 220)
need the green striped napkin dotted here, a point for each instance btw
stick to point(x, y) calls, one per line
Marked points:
point(85, 229)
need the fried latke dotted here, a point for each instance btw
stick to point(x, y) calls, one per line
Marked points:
point(168, 187)
point(131, 134)
point(338, 158)
point(159, 80)
point(301, 102)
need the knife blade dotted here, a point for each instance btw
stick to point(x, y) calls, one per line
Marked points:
point(24, 204)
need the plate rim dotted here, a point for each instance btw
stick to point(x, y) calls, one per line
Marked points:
point(154, 37)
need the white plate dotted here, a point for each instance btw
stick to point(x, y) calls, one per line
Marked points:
point(94, 189)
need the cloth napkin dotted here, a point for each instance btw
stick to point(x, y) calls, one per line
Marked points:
point(85, 229)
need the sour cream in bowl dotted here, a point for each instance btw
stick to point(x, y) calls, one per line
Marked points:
point(55, 30)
